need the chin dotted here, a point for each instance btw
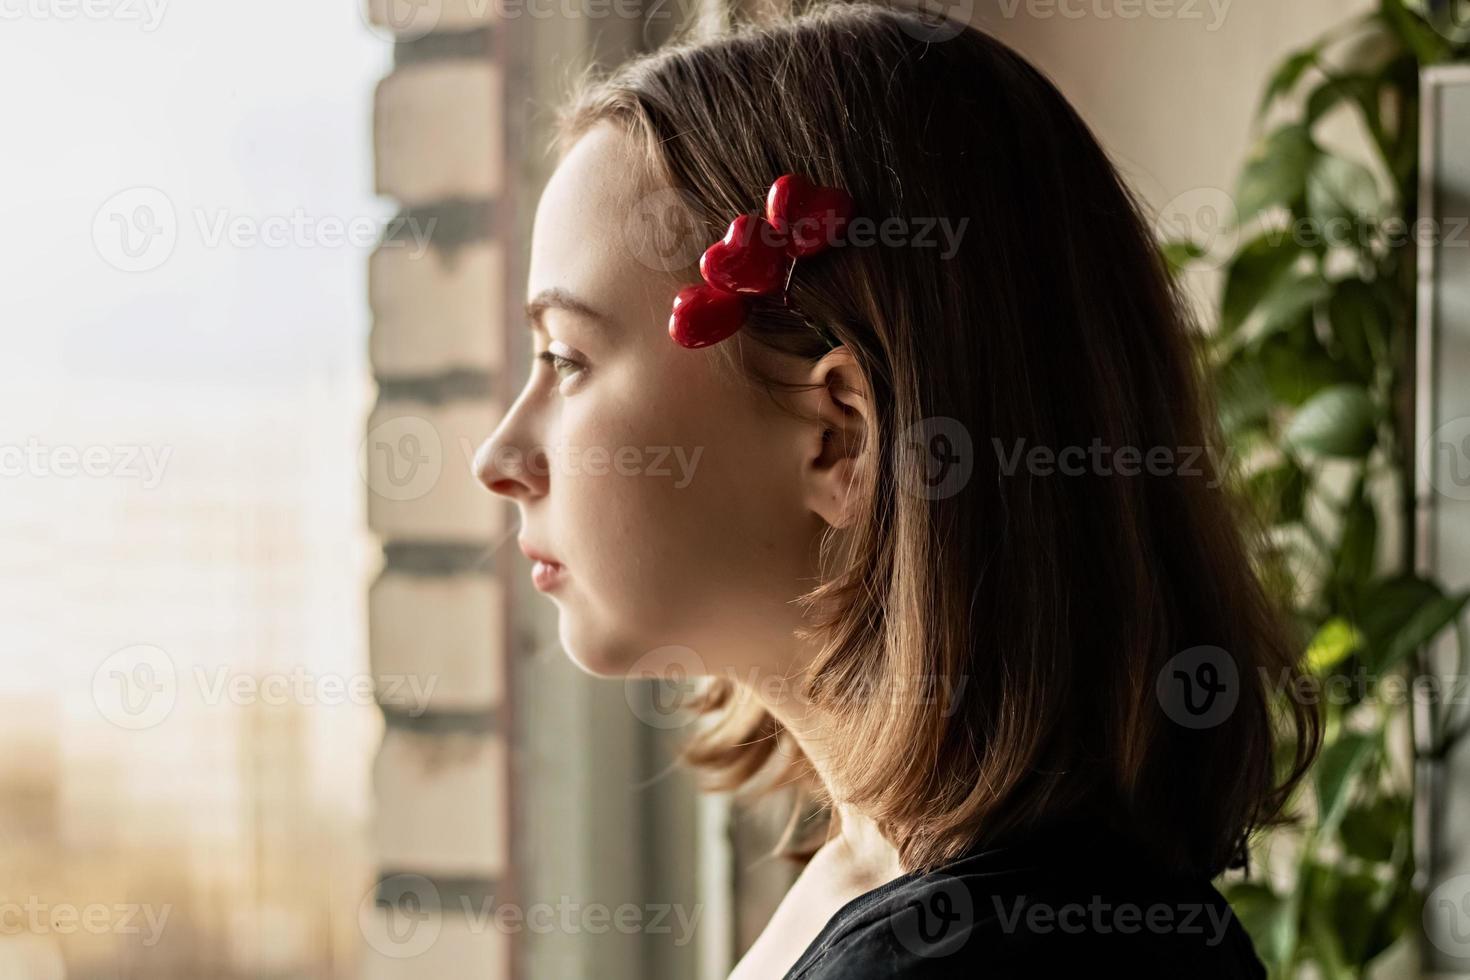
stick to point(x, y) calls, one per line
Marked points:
point(604, 652)
point(596, 655)
point(597, 662)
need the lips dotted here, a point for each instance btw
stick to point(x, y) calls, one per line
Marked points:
point(536, 554)
point(547, 572)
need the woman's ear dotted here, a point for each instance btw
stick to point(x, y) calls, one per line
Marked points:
point(838, 438)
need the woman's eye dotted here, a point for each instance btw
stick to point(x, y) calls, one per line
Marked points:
point(563, 366)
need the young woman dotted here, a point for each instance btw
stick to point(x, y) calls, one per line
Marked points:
point(917, 468)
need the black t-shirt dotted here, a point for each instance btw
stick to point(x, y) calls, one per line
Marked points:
point(1074, 899)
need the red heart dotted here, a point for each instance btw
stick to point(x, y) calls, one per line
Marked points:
point(751, 258)
point(813, 217)
point(704, 315)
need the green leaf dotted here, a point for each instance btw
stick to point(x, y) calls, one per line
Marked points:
point(1244, 399)
point(1286, 76)
point(1178, 253)
point(1275, 172)
point(1320, 885)
point(1254, 270)
point(1341, 197)
point(1360, 324)
point(1426, 43)
point(1422, 627)
point(1358, 545)
point(1373, 829)
point(1332, 644)
point(1360, 89)
point(1334, 772)
point(1297, 366)
point(1270, 919)
point(1387, 605)
point(1278, 492)
point(1291, 297)
point(1401, 914)
point(1337, 421)
point(1358, 902)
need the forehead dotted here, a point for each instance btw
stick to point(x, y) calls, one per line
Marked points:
point(582, 240)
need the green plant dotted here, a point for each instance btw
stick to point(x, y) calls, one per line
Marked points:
point(1312, 365)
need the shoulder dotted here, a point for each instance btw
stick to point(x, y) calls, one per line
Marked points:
point(1070, 899)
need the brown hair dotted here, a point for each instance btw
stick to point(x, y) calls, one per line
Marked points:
point(1048, 605)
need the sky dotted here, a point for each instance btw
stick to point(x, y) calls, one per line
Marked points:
point(187, 194)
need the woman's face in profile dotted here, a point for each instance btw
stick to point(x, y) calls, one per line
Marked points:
point(675, 498)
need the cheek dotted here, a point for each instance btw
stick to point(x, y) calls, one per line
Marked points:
point(676, 527)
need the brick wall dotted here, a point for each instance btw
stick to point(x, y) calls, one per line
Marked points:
point(438, 612)
point(570, 798)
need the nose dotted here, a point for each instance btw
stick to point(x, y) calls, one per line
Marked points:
point(512, 467)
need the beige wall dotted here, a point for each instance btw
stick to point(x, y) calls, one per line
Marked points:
point(1170, 97)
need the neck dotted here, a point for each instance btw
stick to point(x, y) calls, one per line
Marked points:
point(858, 845)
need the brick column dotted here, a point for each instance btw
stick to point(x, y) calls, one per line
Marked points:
point(567, 802)
point(438, 611)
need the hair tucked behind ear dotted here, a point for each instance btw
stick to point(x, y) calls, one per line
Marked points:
point(1026, 613)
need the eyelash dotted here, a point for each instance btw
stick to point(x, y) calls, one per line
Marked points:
point(556, 361)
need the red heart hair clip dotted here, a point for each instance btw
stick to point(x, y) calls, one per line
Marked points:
point(756, 258)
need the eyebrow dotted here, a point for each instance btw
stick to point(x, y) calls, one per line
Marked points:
point(560, 299)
